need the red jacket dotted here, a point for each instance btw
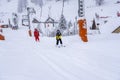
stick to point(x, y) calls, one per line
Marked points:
point(36, 33)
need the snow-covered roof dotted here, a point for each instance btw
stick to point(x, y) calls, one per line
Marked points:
point(49, 19)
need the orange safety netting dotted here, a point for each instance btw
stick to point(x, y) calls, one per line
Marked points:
point(82, 30)
point(2, 37)
point(30, 33)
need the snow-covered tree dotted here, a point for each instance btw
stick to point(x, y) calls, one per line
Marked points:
point(22, 4)
point(15, 21)
point(99, 2)
point(38, 2)
point(94, 25)
point(8, 0)
point(62, 0)
point(49, 0)
point(62, 23)
point(70, 24)
point(57, 0)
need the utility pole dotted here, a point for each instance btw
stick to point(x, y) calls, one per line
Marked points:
point(28, 14)
point(81, 8)
point(62, 6)
point(63, 3)
point(82, 21)
point(30, 11)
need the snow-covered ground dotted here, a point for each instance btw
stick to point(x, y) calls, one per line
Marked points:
point(21, 58)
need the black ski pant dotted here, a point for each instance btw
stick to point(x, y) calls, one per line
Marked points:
point(58, 40)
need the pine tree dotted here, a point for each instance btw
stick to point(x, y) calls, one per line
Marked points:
point(22, 4)
point(94, 25)
point(61, 0)
point(38, 2)
point(34, 1)
point(70, 24)
point(15, 20)
point(69, 28)
point(99, 2)
point(8, 0)
point(62, 23)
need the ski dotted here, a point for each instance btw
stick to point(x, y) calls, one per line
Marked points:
point(60, 46)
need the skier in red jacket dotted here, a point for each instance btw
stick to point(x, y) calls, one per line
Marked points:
point(36, 34)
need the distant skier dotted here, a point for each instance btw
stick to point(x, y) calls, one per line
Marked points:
point(58, 38)
point(36, 34)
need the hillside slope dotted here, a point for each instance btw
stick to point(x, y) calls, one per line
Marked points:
point(52, 8)
point(21, 58)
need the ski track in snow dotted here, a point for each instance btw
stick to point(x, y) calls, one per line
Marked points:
point(43, 58)
point(21, 58)
point(58, 69)
point(90, 67)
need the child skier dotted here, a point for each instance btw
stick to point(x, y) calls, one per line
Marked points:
point(36, 34)
point(58, 38)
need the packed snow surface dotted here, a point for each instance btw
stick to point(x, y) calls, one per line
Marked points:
point(22, 58)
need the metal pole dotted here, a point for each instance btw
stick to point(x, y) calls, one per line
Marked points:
point(81, 8)
point(28, 18)
point(62, 6)
point(63, 3)
point(29, 21)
